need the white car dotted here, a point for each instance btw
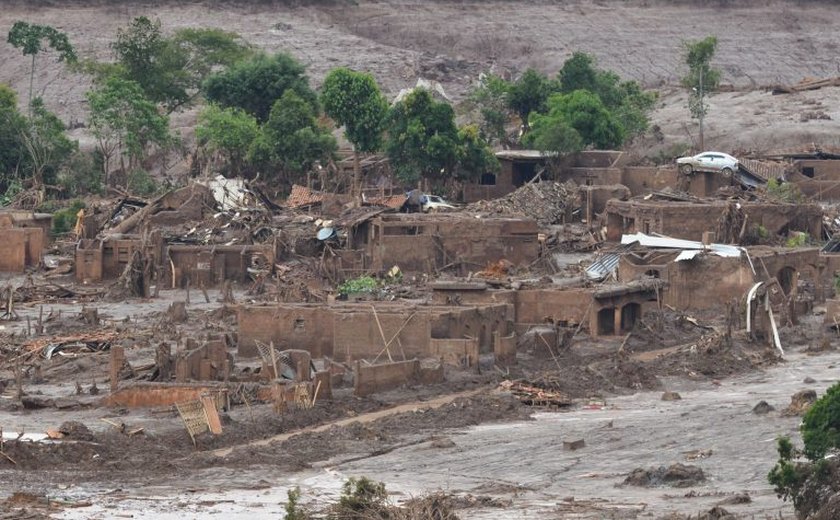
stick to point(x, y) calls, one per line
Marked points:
point(708, 162)
point(434, 203)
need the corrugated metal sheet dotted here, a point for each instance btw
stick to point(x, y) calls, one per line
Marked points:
point(606, 263)
point(677, 243)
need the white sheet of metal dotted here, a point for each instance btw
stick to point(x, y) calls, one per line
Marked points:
point(678, 243)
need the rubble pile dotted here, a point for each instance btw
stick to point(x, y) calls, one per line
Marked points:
point(546, 202)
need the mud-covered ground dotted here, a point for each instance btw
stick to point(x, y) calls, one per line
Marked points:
point(340, 437)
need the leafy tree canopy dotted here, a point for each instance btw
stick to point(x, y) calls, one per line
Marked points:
point(124, 121)
point(291, 141)
point(490, 97)
point(353, 99)
point(34, 39)
point(228, 131)
point(625, 99)
point(13, 158)
point(423, 140)
point(170, 69)
point(475, 155)
point(583, 112)
point(529, 94)
point(254, 85)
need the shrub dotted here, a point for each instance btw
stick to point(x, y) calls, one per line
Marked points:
point(140, 182)
point(362, 284)
point(64, 220)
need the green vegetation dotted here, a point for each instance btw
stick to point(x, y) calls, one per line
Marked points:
point(291, 141)
point(170, 70)
point(293, 509)
point(64, 220)
point(529, 94)
point(422, 138)
point(584, 107)
point(797, 239)
point(362, 284)
point(35, 39)
point(701, 79)
point(805, 476)
point(254, 85)
point(353, 99)
point(784, 191)
point(125, 123)
point(229, 132)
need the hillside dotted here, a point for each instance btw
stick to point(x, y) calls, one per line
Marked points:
point(400, 41)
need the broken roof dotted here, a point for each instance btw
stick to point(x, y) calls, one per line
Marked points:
point(690, 248)
point(303, 196)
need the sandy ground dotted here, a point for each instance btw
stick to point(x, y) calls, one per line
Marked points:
point(399, 41)
point(525, 462)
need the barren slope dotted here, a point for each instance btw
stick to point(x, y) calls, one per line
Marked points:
point(452, 41)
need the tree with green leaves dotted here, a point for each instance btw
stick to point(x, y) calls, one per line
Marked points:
point(125, 123)
point(291, 141)
point(625, 99)
point(422, 139)
point(47, 146)
point(581, 112)
point(490, 96)
point(34, 39)
point(701, 79)
point(254, 85)
point(528, 94)
point(170, 69)
point(475, 156)
point(229, 132)
point(809, 476)
point(14, 160)
point(352, 99)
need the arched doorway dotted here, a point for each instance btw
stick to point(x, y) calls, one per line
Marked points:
point(630, 314)
point(606, 322)
point(787, 277)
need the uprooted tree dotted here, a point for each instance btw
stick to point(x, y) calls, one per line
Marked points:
point(809, 477)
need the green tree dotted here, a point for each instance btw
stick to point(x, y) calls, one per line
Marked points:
point(701, 79)
point(170, 69)
point(422, 138)
point(529, 94)
point(254, 85)
point(625, 99)
point(13, 157)
point(821, 425)
point(551, 133)
point(583, 112)
point(229, 132)
point(490, 97)
point(578, 73)
point(34, 39)
point(125, 123)
point(807, 476)
point(353, 99)
point(475, 155)
point(291, 141)
point(48, 147)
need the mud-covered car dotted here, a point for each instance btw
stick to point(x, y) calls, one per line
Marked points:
point(708, 162)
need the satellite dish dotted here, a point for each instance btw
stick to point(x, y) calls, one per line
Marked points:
point(326, 233)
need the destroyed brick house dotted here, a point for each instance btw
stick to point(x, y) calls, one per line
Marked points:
point(26, 235)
